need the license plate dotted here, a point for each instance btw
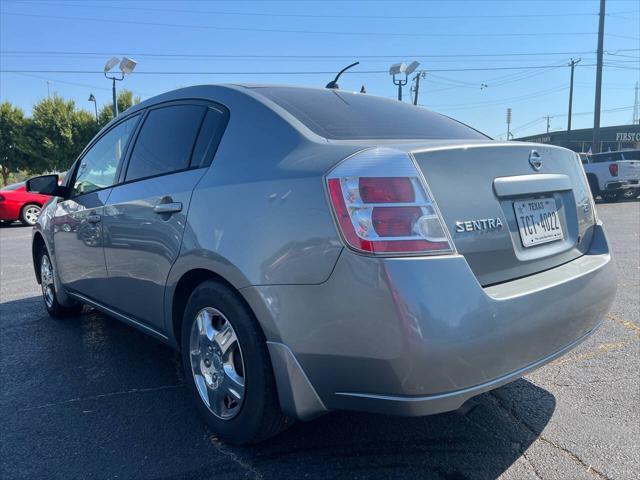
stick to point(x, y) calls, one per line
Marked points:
point(538, 221)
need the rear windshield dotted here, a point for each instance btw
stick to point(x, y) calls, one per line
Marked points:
point(606, 157)
point(349, 116)
point(631, 154)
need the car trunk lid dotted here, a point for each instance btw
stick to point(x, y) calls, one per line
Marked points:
point(482, 190)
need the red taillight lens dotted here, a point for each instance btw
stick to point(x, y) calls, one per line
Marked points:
point(613, 169)
point(395, 221)
point(386, 190)
point(386, 213)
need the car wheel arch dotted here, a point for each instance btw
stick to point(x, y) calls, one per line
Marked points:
point(594, 185)
point(187, 283)
point(37, 246)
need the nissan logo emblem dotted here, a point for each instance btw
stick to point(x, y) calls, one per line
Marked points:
point(535, 160)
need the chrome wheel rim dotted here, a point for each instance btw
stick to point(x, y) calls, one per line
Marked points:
point(217, 364)
point(629, 194)
point(31, 214)
point(46, 280)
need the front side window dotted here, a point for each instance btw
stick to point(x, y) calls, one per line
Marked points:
point(99, 165)
point(165, 142)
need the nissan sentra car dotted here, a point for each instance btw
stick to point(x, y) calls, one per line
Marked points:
point(310, 250)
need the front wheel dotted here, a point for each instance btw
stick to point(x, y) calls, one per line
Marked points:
point(29, 214)
point(49, 296)
point(227, 366)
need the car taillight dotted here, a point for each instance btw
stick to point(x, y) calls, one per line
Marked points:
point(613, 169)
point(382, 205)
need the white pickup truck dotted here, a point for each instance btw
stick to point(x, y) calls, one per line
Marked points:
point(613, 175)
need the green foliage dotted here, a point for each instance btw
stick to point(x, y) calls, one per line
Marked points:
point(53, 137)
point(125, 100)
point(13, 150)
point(57, 133)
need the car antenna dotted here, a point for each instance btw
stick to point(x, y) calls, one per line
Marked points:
point(334, 83)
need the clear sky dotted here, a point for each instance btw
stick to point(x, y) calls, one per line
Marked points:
point(469, 49)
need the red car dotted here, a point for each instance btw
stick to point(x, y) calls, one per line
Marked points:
point(18, 204)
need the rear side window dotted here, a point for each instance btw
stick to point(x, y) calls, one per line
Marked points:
point(349, 116)
point(209, 137)
point(165, 142)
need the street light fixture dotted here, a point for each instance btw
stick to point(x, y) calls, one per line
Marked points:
point(127, 65)
point(397, 69)
point(92, 98)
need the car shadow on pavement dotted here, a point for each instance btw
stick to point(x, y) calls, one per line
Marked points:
point(88, 397)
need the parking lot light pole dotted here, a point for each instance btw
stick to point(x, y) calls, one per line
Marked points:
point(92, 98)
point(127, 65)
point(398, 68)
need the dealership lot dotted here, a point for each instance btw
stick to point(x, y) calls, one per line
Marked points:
point(88, 397)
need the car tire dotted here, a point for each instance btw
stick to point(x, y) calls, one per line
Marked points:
point(593, 186)
point(227, 366)
point(47, 284)
point(629, 194)
point(29, 214)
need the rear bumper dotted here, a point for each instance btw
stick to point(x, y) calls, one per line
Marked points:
point(415, 336)
point(9, 210)
point(621, 185)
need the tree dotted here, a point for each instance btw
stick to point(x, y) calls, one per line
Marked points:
point(84, 129)
point(58, 133)
point(13, 155)
point(125, 100)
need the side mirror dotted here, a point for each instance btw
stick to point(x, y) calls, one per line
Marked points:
point(46, 185)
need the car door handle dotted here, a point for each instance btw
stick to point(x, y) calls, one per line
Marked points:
point(93, 218)
point(172, 207)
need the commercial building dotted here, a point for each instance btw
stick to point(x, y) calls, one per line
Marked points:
point(611, 138)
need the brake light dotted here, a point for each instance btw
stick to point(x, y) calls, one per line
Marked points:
point(613, 169)
point(382, 205)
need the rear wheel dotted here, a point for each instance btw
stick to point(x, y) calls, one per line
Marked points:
point(630, 194)
point(29, 214)
point(49, 296)
point(611, 197)
point(227, 366)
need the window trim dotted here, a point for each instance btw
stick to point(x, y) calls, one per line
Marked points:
point(87, 149)
point(210, 153)
point(171, 103)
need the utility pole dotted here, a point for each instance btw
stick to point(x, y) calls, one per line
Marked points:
point(508, 123)
point(548, 117)
point(416, 89)
point(573, 66)
point(48, 91)
point(595, 148)
point(636, 107)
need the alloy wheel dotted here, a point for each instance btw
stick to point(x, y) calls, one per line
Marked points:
point(46, 280)
point(31, 214)
point(216, 363)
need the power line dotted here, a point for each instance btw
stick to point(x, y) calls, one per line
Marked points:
point(610, 110)
point(313, 32)
point(331, 72)
point(245, 56)
point(305, 15)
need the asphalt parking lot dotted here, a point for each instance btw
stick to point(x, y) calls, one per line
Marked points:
point(88, 397)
